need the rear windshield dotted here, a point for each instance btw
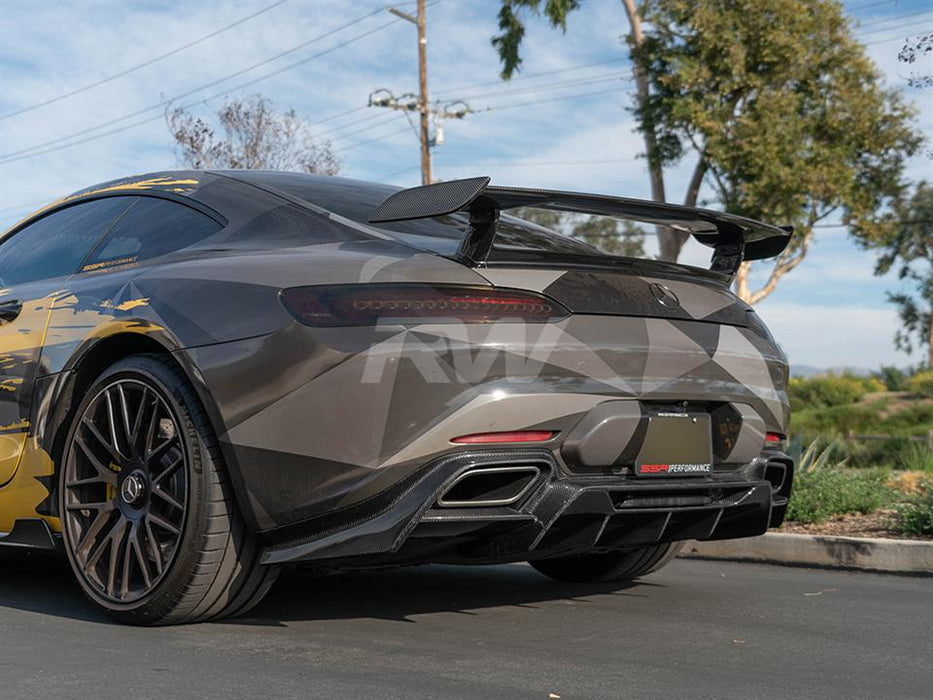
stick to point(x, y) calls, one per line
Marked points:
point(356, 200)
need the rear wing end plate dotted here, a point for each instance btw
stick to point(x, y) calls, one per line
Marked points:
point(732, 238)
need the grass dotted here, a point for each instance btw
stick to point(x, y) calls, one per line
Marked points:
point(837, 475)
point(824, 488)
point(895, 452)
point(915, 515)
point(822, 494)
point(879, 417)
point(896, 415)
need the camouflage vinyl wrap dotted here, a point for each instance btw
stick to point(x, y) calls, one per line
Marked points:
point(314, 420)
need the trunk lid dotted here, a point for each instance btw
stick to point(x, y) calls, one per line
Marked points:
point(635, 291)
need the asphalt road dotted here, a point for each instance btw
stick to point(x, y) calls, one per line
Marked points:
point(695, 629)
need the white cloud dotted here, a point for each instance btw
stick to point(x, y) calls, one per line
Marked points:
point(834, 336)
point(48, 48)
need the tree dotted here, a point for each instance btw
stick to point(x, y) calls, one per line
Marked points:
point(911, 53)
point(508, 43)
point(252, 135)
point(789, 126)
point(914, 50)
point(612, 236)
point(906, 242)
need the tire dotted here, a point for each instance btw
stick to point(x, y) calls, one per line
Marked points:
point(609, 566)
point(154, 535)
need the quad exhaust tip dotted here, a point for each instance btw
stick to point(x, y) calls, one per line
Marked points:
point(490, 486)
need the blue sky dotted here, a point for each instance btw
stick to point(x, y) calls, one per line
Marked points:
point(567, 129)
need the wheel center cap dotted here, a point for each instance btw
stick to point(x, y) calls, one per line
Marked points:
point(133, 489)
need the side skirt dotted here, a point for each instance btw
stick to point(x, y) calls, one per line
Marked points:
point(33, 533)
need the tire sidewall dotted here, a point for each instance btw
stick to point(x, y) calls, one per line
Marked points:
point(170, 386)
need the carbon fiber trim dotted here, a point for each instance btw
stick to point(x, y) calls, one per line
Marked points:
point(561, 515)
point(746, 238)
point(425, 202)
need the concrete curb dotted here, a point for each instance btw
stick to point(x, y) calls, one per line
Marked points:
point(867, 554)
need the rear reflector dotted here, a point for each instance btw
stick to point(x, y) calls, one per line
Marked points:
point(518, 436)
point(773, 438)
point(368, 304)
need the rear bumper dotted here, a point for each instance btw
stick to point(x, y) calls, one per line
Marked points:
point(556, 514)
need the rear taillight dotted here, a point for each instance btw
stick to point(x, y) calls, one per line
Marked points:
point(511, 436)
point(773, 439)
point(369, 304)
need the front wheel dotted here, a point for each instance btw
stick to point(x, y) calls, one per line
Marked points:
point(608, 566)
point(149, 518)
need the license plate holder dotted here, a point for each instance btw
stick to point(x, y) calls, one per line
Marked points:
point(676, 444)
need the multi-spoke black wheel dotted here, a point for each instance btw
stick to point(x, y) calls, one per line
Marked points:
point(126, 486)
point(149, 518)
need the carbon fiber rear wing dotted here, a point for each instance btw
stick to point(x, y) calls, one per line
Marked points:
point(732, 238)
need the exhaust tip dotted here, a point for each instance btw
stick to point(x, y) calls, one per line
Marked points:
point(491, 486)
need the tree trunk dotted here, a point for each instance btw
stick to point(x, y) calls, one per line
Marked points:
point(741, 283)
point(930, 343)
point(668, 240)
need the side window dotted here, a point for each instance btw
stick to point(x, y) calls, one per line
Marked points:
point(153, 227)
point(55, 245)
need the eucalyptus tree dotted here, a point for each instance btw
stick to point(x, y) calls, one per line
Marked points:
point(777, 104)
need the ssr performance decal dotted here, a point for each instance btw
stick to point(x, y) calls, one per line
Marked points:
point(675, 468)
point(109, 263)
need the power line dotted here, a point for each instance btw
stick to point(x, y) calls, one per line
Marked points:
point(622, 77)
point(10, 156)
point(500, 108)
point(341, 127)
point(534, 163)
point(531, 76)
point(899, 37)
point(885, 20)
point(144, 64)
point(338, 115)
point(378, 138)
point(402, 172)
point(392, 118)
point(886, 29)
point(33, 150)
point(868, 6)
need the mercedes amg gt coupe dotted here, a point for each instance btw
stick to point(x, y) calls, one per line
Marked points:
point(207, 375)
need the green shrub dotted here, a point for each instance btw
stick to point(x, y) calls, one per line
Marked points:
point(872, 384)
point(893, 378)
point(921, 384)
point(915, 456)
point(875, 418)
point(836, 420)
point(876, 453)
point(825, 391)
point(822, 493)
point(915, 517)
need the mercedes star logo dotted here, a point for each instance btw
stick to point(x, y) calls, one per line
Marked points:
point(664, 295)
point(132, 489)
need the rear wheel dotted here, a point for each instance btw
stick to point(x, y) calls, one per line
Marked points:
point(608, 566)
point(149, 518)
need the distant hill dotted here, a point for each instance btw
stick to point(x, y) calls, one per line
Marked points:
point(808, 371)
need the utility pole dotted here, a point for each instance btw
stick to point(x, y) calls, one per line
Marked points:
point(422, 105)
point(423, 92)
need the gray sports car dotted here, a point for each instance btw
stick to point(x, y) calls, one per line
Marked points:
point(207, 375)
